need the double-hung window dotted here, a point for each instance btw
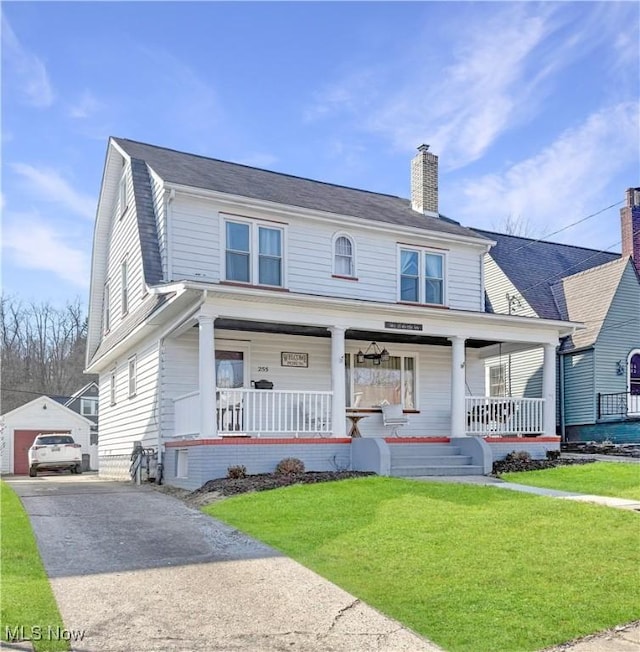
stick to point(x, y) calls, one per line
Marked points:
point(132, 376)
point(253, 253)
point(343, 264)
point(422, 276)
point(124, 286)
point(498, 380)
point(89, 407)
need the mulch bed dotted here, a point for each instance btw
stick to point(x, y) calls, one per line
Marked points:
point(265, 481)
point(512, 466)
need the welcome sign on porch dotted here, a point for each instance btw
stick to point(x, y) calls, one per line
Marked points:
point(288, 359)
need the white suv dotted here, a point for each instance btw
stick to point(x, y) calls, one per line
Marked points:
point(55, 451)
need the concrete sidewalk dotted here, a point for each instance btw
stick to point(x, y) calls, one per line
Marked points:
point(136, 569)
point(485, 480)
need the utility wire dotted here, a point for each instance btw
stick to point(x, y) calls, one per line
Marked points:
point(569, 226)
point(580, 262)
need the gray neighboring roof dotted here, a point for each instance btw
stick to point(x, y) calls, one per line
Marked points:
point(235, 179)
point(534, 266)
point(146, 217)
point(587, 297)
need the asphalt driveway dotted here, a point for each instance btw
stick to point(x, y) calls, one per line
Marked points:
point(137, 569)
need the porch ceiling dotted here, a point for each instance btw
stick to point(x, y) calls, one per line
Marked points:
point(351, 334)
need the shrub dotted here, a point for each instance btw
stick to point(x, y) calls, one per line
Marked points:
point(235, 472)
point(553, 455)
point(518, 456)
point(290, 466)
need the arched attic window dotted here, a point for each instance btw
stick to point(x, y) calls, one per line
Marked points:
point(344, 256)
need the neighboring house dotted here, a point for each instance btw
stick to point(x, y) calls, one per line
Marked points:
point(40, 416)
point(239, 315)
point(85, 402)
point(599, 366)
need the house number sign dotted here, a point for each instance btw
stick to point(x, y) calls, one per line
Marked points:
point(288, 359)
point(402, 326)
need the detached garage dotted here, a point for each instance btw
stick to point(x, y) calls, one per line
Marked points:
point(41, 416)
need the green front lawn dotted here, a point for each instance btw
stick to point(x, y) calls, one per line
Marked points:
point(619, 479)
point(26, 598)
point(471, 568)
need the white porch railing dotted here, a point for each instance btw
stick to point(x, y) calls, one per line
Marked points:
point(258, 412)
point(504, 416)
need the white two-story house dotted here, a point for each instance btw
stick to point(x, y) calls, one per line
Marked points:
point(239, 316)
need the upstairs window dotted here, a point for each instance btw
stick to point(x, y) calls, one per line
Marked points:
point(124, 279)
point(89, 407)
point(106, 314)
point(422, 276)
point(253, 253)
point(122, 194)
point(343, 258)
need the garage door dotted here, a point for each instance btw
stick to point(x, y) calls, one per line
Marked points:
point(22, 440)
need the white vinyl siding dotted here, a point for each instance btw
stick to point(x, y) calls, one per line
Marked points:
point(198, 252)
point(122, 194)
point(125, 245)
point(503, 295)
point(113, 380)
point(130, 419)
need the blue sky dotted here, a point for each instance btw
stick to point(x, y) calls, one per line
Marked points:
point(532, 108)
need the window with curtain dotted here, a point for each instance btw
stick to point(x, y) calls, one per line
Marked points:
point(369, 384)
point(422, 276)
point(238, 254)
point(229, 369)
point(269, 256)
point(343, 257)
point(253, 253)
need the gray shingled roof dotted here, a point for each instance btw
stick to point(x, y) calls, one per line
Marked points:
point(534, 266)
point(587, 297)
point(232, 178)
point(147, 229)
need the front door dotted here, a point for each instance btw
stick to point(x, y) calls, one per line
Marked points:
point(231, 374)
point(634, 384)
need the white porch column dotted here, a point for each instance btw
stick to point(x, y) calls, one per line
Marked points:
point(338, 385)
point(549, 389)
point(207, 376)
point(457, 387)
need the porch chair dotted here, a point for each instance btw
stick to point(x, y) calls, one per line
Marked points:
point(393, 417)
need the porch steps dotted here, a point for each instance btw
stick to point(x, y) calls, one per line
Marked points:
point(411, 460)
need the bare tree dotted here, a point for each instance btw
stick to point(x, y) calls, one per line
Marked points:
point(42, 350)
point(518, 225)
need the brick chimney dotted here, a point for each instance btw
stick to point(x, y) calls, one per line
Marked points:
point(630, 223)
point(424, 182)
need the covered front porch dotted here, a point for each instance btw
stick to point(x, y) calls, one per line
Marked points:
point(243, 378)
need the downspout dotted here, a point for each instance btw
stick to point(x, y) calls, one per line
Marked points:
point(169, 224)
point(563, 436)
point(160, 461)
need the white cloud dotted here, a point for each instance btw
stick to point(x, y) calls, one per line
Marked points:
point(51, 186)
point(30, 72)
point(33, 244)
point(86, 106)
point(561, 184)
point(490, 71)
